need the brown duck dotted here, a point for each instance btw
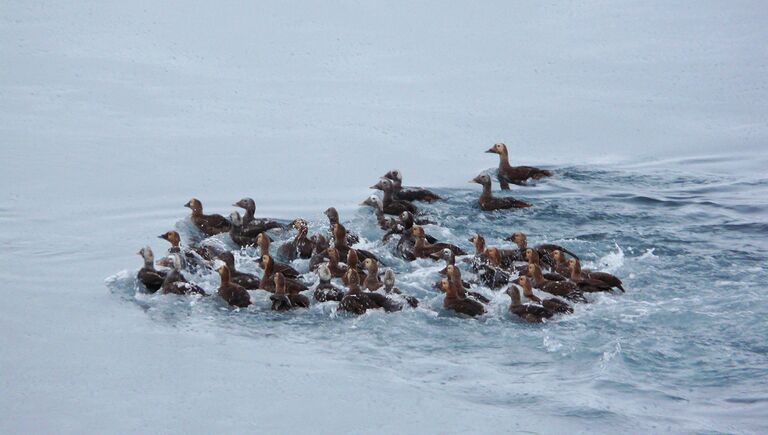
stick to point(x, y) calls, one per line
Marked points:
point(209, 224)
point(234, 294)
point(488, 202)
point(514, 174)
point(284, 301)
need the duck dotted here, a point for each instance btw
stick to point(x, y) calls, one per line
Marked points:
point(561, 264)
point(528, 312)
point(404, 225)
point(488, 202)
point(555, 305)
point(340, 243)
point(335, 266)
point(454, 277)
point(208, 224)
point(455, 301)
point(358, 302)
point(507, 257)
point(191, 259)
point(300, 247)
point(284, 301)
point(390, 289)
point(319, 256)
point(532, 256)
point(263, 242)
point(424, 249)
point(267, 279)
point(236, 233)
point(391, 205)
point(545, 250)
point(353, 262)
point(251, 225)
point(409, 193)
point(333, 218)
point(595, 281)
point(325, 290)
point(372, 281)
point(385, 223)
point(566, 289)
point(514, 174)
point(450, 260)
point(232, 293)
point(148, 275)
point(489, 270)
point(174, 281)
point(243, 279)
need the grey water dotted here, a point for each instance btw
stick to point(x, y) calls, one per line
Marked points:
point(652, 116)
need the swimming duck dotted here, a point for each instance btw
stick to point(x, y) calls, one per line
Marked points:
point(545, 250)
point(507, 257)
point(532, 255)
point(566, 289)
point(595, 281)
point(371, 281)
point(390, 289)
point(561, 264)
point(488, 202)
point(358, 302)
point(408, 193)
point(391, 205)
point(424, 249)
point(514, 174)
point(300, 247)
point(267, 279)
point(377, 204)
point(333, 218)
point(243, 279)
point(319, 252)
point(284, 301)
point(174, 281)
point(236, 233)
point(209, 224)
point(554, 305)
point(325, 290)
point(454, 278)
point(353, 262)
point(489, 271)
point(528, 312)
point(148, 275)
point(455, 301)
point(232, 293)
point(405, 223)
point(251, 225)
point(191, 259)
point(340, 243)
point(262, 240)
point(335, 266)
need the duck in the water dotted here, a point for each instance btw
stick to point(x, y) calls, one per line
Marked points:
point(561, 264)
point(319, 251)
point(358, 302)
point(372, 281)
point(507, 257)
point(232, 293)
point(488, 202)
point(408, 193)
point(353, 262)
point(340, 243)
point(514, 174)
point(406, 221)
point(424, 249)
point(333, 218)
point(209, 224)
point(455, 301)
point(174, 281)
point(267, 279)
point(236, 233)
point(391, 205)
point(335, 266)
point(489, 270)
point(454, 277)
point(325, 289)
point(555, 305)
point(596, 281)
point(385, 223)
point(528, 312)
point(450, 260)
point(300, 247)
point(246, 280)
point(532, 255)
point(264, 244)
point(390, 289)
point(284, 301)
point(148, 275)
point(191, 259)
point(566, 289)
point(250, 223)
point(545, 250)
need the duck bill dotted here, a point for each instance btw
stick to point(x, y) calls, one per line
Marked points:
point(163, 236)
point(492, 150)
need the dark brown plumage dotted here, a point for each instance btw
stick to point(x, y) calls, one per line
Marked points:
point(408, 193)
point(282, 300)
point(552, 304)
point(233, 294)
point(246, 280)
point(488, 202)
point(264, 244)
point(174, 281)
point(325, 290)
point(566, 289)
point(267, 279)
point(358, 302)
point(209, 224)
point(333, 219)
point(514, 174)
point(528, 312)
point(391, 205)
point(424, 249)
point(593, 281)
point(148, 275)
point(454, 301)
point(251, 225)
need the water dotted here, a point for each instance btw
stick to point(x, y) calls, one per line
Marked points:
point(683, 349)
point(653, 116)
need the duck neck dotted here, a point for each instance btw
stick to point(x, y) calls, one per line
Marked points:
point(386, 196)
point(504, 159)
point(264, 245)
point(486, 191)
point(250, 215)
point(224, 274)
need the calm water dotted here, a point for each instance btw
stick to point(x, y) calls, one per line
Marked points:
point(683, 349)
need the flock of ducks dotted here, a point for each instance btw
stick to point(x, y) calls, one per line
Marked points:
point(352, 276)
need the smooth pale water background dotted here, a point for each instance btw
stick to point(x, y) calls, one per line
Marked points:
point(654, 116)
